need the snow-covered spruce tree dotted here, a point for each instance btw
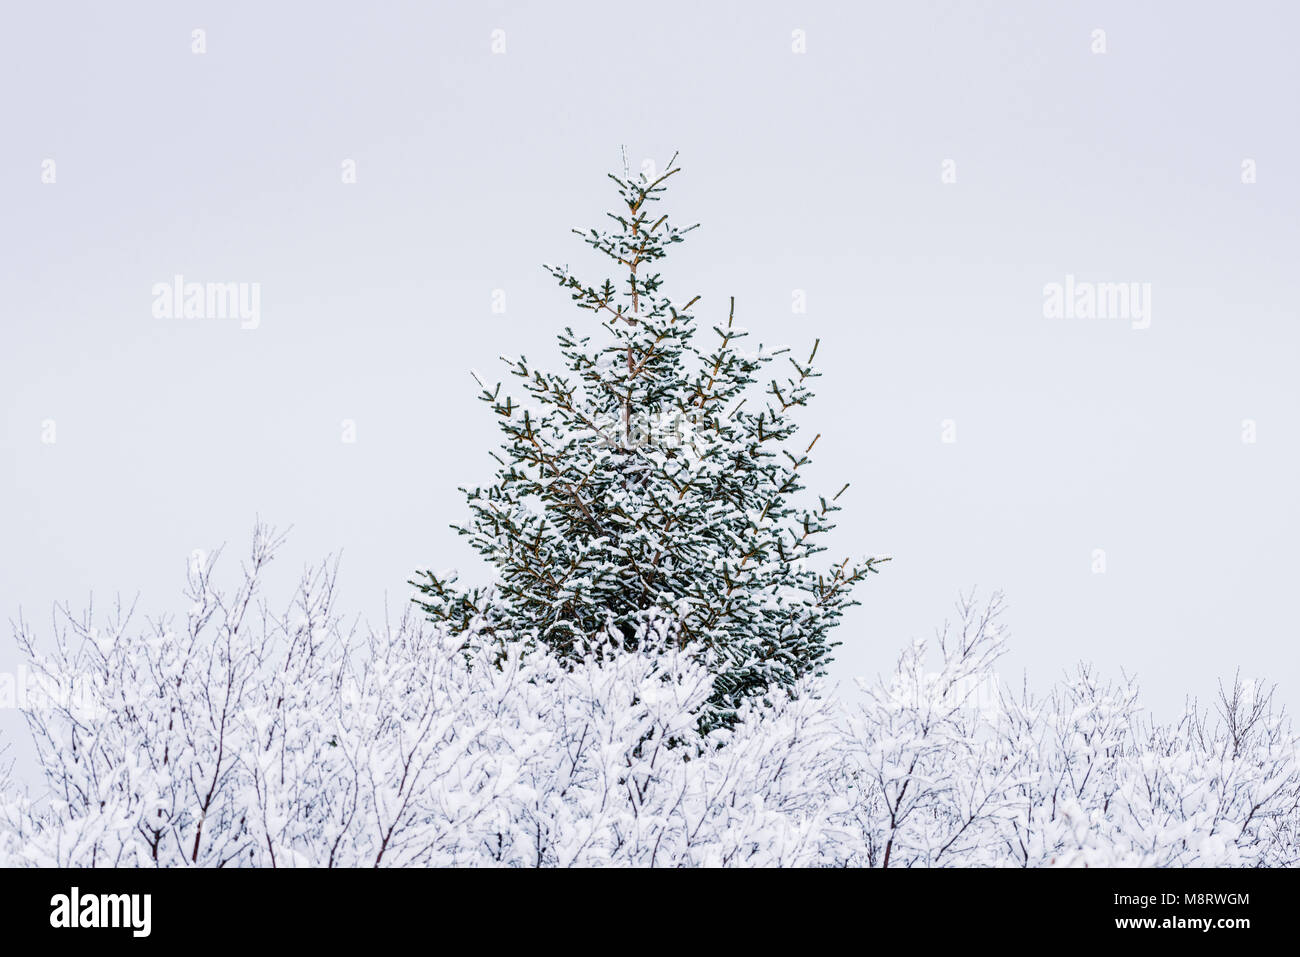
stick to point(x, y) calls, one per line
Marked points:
point(648, 477)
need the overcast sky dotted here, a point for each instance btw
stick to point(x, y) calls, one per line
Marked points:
point(921, 172)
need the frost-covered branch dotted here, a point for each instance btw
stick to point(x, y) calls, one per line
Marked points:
point(251, 733)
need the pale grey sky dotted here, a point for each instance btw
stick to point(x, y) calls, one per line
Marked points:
point(818, 171)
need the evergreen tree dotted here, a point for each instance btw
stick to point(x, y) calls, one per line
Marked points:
point(650, 478)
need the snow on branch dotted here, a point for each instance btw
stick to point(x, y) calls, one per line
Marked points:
point(246, 733)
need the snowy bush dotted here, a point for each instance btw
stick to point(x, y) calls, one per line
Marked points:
point(240, 734)
point(245, 736)
point(949, 767)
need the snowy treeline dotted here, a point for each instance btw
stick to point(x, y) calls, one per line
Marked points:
point(243, 735)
